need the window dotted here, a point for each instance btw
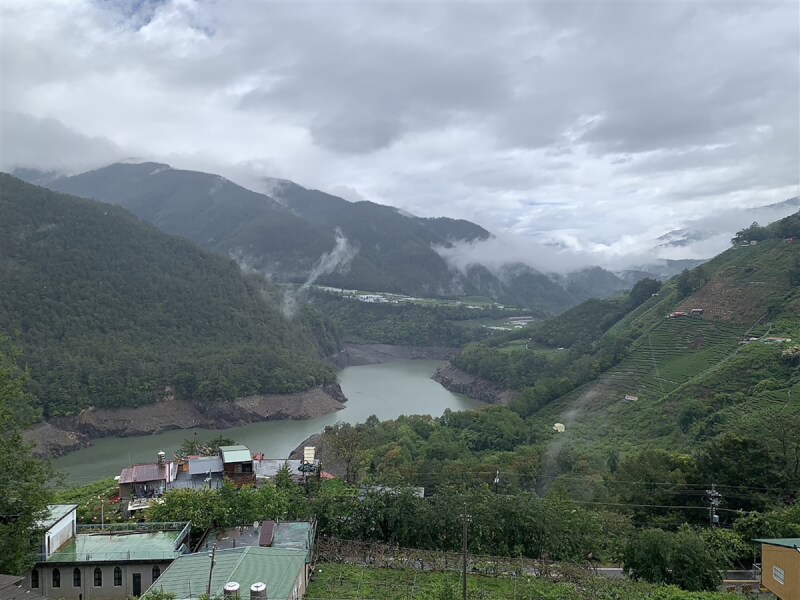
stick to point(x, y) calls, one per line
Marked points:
point(98, 577)
point(156, 572)
point(35, 578)
point(56, 578)
point(76, 577)
point(117, 576)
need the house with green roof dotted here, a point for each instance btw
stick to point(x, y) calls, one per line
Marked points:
point(102, 562)
point(245, 571)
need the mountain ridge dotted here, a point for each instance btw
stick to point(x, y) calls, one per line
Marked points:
point(109, 311)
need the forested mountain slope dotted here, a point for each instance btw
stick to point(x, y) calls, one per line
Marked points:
point(210, 210)
point(387, 250)
point(109, 311)
point(395, 251)
point(630, 373)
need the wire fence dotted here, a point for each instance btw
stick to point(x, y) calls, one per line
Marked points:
point(366, 554)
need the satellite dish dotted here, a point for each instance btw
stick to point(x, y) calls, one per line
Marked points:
point(559, 428)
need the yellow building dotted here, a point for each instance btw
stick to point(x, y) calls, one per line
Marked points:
point(780, 571)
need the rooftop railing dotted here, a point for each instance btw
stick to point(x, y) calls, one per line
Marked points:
point(120, 556)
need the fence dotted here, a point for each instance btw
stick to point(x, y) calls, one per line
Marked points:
point(349, 552)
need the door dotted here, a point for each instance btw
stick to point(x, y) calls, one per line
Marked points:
point(137, 584)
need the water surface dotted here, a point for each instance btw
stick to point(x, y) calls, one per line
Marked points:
point(387, 391)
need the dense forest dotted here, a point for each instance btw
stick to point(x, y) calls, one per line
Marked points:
point(109, 311)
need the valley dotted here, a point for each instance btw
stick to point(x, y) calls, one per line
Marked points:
point(385, 390)
point(383, 300)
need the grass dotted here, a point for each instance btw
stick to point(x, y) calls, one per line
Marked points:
point(91, 499)
point(345, 582)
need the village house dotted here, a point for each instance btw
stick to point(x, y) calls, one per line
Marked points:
point(237, 465)
point(12, 588)
point(270, 560)
point(141, 485)
point(247, 571)
point(780, 567)
point(101, 562)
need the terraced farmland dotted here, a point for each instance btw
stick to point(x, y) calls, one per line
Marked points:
point(673, 352)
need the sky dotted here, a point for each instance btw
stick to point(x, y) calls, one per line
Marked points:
point(594, 126)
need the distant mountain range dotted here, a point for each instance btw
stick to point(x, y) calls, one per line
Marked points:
point(295, 235)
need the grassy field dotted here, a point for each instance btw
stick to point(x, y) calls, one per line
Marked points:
point(346, 582)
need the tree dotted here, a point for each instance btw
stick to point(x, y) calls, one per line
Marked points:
point(681, 559)
point(643, 290)
point(23, 479)
point(343, 443)
point(204, 508)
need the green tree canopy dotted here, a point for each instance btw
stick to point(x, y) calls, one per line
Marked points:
point(23, 479)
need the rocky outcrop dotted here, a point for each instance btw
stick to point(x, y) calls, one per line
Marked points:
point(50, 441)
point(66, 434)
point(354, 355)
point(461, 382)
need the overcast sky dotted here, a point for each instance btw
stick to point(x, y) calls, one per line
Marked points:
point(599, 125)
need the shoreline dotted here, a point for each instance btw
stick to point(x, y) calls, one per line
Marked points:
point(454, 379)
point(62, 435)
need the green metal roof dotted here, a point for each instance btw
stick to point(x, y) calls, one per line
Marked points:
point(784, 542)
point(187, 576)
point(105, 547)
point(233, 454)
point(297, 535)
point(57, 512)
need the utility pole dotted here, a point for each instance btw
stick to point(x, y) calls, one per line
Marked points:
point(714, 500)
point(211, 568)
point(464, 539)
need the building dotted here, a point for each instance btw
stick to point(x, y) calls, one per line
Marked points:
point(237, 465)
point(141, 485)
point(102, 562)
point(780, 567)
point(297, 535)
point(247, 571)
point(11, 588)
point(60, 526)
point(200, 472)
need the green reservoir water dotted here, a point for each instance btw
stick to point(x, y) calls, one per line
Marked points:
point(387, 391)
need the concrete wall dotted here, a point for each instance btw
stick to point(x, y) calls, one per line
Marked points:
point(87, 590)
point(777, 561)
point(59, 533)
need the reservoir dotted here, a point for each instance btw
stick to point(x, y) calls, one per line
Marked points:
point(386, 390)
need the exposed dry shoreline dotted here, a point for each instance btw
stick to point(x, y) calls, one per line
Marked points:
point(354, 355)
point(63, 435)
point(67, 434)
point(461, 382)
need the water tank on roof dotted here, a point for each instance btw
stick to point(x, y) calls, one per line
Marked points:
point(258, 591)
point(231, 590)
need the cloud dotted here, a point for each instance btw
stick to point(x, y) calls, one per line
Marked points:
point(592, 125)
point(49, 145)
